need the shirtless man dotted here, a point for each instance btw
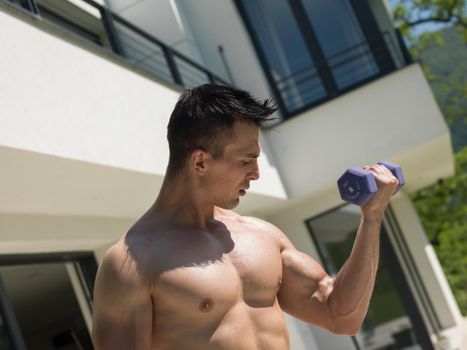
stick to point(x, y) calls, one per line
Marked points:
point(192, 274)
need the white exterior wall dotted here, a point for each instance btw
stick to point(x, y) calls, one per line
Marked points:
point(96, 131)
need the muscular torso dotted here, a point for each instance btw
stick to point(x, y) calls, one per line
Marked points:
point(212, 289)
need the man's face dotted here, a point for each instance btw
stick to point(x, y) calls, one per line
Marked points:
point(229, 177)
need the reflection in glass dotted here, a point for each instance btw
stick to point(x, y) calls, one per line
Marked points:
point(289, 61)
point(342, 40)
point(387, 325)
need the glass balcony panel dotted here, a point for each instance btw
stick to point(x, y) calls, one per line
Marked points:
point(288, 58)
point(301, 88)
point(143, 52)
point(191, 75)
point(342, 41)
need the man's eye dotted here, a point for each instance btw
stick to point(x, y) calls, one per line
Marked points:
point(245, 162)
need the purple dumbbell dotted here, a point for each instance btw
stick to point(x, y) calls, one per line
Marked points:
point(358, 186)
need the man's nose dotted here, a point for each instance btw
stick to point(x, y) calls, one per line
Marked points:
point(254, 175)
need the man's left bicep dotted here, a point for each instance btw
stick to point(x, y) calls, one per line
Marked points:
point(305, 289)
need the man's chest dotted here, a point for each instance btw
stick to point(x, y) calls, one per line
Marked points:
point(257, 261)
point(210, 279)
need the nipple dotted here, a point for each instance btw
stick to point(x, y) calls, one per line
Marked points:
point(206, 305)
point(279, 283)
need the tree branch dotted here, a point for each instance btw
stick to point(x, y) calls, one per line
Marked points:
point(429, 19)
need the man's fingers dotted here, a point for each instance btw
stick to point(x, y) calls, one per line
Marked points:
point(378, 169)
point(382, 174)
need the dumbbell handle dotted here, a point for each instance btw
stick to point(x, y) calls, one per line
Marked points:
point(396, 170)
point(358, 186)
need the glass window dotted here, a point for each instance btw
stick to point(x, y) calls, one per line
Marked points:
point(83, 21)
point(342, 40)
point(282, 44)
point(387, 325)
point(45, 306)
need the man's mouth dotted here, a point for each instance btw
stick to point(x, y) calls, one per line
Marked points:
point(244, 189)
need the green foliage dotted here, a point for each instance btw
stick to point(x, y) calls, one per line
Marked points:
point(443, 212)
point(446, 69)
point(409, 14)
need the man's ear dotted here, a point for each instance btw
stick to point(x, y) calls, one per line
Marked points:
point(199, 161)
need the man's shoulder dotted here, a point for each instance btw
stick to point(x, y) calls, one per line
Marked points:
point(267, 228)
point(128, 268)
point(118, 263)
point(117, 279)
point(260, 224)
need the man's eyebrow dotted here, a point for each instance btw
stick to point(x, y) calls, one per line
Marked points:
point(253, 155)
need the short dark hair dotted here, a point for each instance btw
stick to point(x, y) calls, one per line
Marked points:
point(204, 116)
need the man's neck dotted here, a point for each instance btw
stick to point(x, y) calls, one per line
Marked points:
point(179, 204)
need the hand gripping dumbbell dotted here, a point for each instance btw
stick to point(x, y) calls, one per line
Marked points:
point(358, 186)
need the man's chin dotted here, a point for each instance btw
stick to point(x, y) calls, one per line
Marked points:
point(230, 205)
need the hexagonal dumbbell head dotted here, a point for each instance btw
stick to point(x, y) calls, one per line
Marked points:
point(357, 186)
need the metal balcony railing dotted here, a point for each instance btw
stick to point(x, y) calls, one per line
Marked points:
point(125, 39)
point(351, 67)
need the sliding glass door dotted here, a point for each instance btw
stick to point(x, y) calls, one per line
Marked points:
point(389, 321)
point(45, 302)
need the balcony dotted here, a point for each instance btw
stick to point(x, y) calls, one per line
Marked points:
point(95, 25)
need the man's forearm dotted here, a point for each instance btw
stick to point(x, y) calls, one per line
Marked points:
point(354, 283)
